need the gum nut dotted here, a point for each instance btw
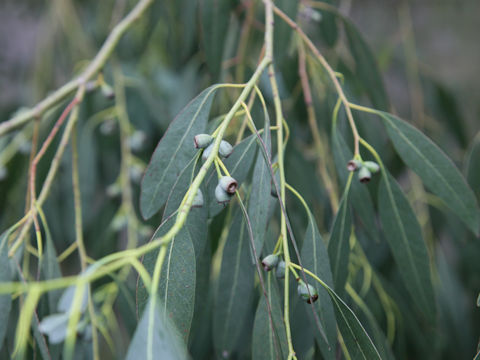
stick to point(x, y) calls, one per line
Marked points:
point(269, 262)
point(225, 149)
point(201, 141)
point(372, 166)
point(198, 199)
point(364, 175)
point(221, 195)
point(280, 272)
point(107, 91)
point(307, 292)
point(354, 165)
point(228, 184)
point(207, 151)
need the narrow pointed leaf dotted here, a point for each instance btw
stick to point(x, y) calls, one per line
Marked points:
point(173, 152)
point(435, 169)
point(156, 338)
point(268, 343)
point(404, 236)
point(314, 257)
point(339, 244)
point(5, 276)
point(472, 166)
point(234, 288)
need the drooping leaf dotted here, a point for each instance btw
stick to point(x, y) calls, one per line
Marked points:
point(156, 337)
point(281, 31)
point(268, 343)
point(435, 169)
point(5, 276)
point(215, 16)
point(177, 279)
point(238, 165)
point(365, 66)
point(234, 287)
point(339, 244)
point(314, 257)
point(472, 166)
point(173, 152)
point(328, 27)
point(260, 193)
point(360, 197)
point(404, 236)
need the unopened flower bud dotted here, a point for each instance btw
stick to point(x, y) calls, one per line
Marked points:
point(107, 91)
point(364, 175)
point(280, 272)
point(307, 292)
point(354, 165)
point(221, 195)
point(269, 262)
point(198, 199)
point(225, 149)
point(372, 166)
point(201, 141)
point(228, 184)
point(207, 152)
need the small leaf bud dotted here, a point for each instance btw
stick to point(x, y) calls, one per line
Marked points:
point(225, 149)
point(364, 175)
point(228, 184)
point(269, 262)
point(201, 141)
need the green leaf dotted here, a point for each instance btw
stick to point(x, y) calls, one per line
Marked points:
point(328, 27)
point(259, 203)
point(360, 197)
point(314, 257)
point(366, 66)
point(234, 287)
point(165, 342)
point(5, 276)
point(282, 32)
point(472, 164)
point(177, 279)
point(50, 268)
point(173, 152)
point(215, 16)
point(238, 164)
point(435, 169)
point(268, 343)
point(404, 236)
point(339, 243)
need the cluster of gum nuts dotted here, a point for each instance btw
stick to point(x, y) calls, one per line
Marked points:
point(365, 169)
point(306, 292)
point(226, 184)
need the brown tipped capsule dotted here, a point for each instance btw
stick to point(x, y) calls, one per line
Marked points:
point(225, 149)
point(354, 165)
point(228, 184)
point(307, 292)
point(221, 195)
point(372, 166)
point(269, 262)
point(201, 141)
point(364, 175)
point(198, 199)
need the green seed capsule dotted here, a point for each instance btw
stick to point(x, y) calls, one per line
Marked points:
point(221, 195)
point(372, 166)
point(198, 199)
point(364, 175)
point(207, 152)
point(225, 149)
point(269, 262)
point(280, 272)
point(228, 184)
point(107, 91)
point(354, 165)
point(307, 292)
point(201, 141)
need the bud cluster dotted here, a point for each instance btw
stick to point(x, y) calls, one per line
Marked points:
point(365, 169)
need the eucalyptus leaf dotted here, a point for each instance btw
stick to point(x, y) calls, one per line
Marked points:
point(404, 236)
point(268, 343)
point(435, 169)
point(339, 243)
point(156, 337)
point(314, 257)
point(55, 327)
point(328, 27)
point(5, 276)
point(472, 164)
point(173, 152)
point(234, 287)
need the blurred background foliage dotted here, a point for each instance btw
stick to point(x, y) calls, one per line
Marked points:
point(427, 53)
